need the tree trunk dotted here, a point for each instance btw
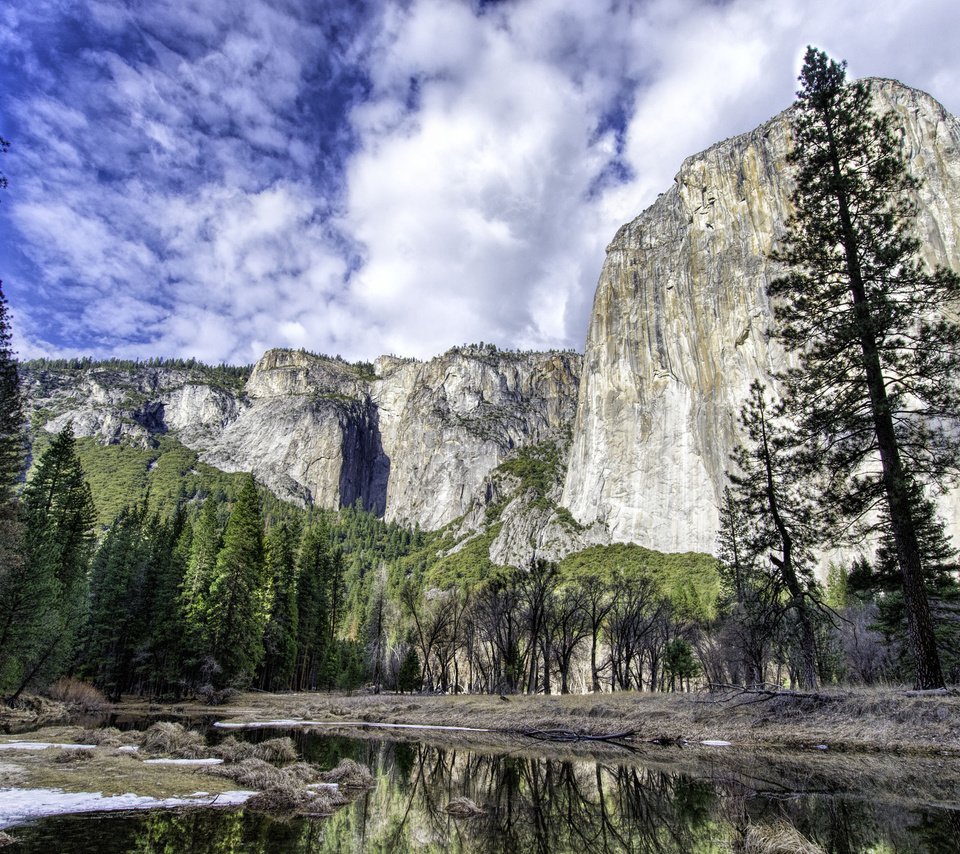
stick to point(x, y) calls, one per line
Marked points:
point(928, 673)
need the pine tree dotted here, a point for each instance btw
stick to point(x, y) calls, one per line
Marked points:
point(15, 593)
point(280, 636)
point(876, 390)
point(236, 608)
point(204, 548)
point(117, 580)
point(12, 445)
point(50, 598)
point(769, 498)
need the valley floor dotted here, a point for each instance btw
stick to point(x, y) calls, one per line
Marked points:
point(887, 719)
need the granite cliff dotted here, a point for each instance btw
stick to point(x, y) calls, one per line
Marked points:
point(680, 319)
point(410, 440)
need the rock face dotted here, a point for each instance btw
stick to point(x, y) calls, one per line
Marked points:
point(413, 441)
point(679, 323)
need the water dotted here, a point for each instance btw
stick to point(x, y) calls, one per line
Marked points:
point(667, 801)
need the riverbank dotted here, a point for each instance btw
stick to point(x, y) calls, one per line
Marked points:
point(871, 720)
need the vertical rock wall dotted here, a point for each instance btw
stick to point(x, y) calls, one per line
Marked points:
point(679, 323)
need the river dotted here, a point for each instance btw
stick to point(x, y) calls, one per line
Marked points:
point(541, 799)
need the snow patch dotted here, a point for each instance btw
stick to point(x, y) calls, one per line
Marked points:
point(290, 724)
point(43, 745)
point(182, 761)
point(20, 805)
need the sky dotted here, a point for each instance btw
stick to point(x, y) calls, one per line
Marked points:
point(212, 178)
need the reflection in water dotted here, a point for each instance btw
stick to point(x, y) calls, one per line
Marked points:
point(530, 805)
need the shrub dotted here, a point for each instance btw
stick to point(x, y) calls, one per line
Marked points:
point(76, 692)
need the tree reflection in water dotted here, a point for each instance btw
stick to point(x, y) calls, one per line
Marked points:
point(531, 805)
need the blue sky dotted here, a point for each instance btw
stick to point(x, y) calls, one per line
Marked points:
point(211, 178)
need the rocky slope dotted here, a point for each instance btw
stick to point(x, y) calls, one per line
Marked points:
point(679, 323)
point(412, 440)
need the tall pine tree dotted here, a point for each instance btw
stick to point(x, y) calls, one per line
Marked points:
point(236, 608)
point(280, 636)
point(15, 600)
point(58, 515)
point(876, 386)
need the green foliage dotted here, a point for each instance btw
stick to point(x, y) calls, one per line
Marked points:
point(134, 636)
point(679, 660)
point(236, 608)
point(280, 635)
point(467, 567)
point(409, 676)
point(12, 440)
point(538, 467)
point(169, 474)
point(688, 580)
point(44, 602)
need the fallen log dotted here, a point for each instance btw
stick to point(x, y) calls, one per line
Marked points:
point(570, 735)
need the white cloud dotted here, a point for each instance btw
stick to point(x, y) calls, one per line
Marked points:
point(183, 196)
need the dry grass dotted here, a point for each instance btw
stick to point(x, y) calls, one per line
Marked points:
point(32, 712)
point(171, 739)
point(348, 775)
point(275, 750)
point(6, 839)
point(853, 719)
point(287, 789)
point(70, 755)
point(77, 693)
point(296, 800)
point(112, 774)
point(778, 838)
point(464, 808)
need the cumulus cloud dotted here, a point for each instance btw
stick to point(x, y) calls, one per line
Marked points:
point(207, 178)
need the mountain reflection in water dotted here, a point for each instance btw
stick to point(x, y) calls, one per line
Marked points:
point(530, 804)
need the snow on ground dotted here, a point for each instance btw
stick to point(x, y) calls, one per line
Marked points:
point(43, 745)
point(289, 724)
point(183, 762)
point(20, 805)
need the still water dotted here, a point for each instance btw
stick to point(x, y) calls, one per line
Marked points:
point(677, 801)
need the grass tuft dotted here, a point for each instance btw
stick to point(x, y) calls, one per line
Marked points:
point(349, 775)
point(781, 837)
point(172, 739)
point(464, 808)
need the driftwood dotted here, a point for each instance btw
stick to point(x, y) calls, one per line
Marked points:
point(932, 692)
point(570, 735)
point(762, 694)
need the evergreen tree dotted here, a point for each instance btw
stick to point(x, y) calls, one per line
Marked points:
point(160, 651)
point(48, 601)
point(235, 610)
point(117, 580)
point(12, 445)
point(280, 636)
point(204, 548)
point(313, 606)
point(15, 601)
point(876, 388)
point(768, 496)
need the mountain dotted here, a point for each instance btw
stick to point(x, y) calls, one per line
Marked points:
point(413, 441)
point(680, 318)
point(533, 452)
